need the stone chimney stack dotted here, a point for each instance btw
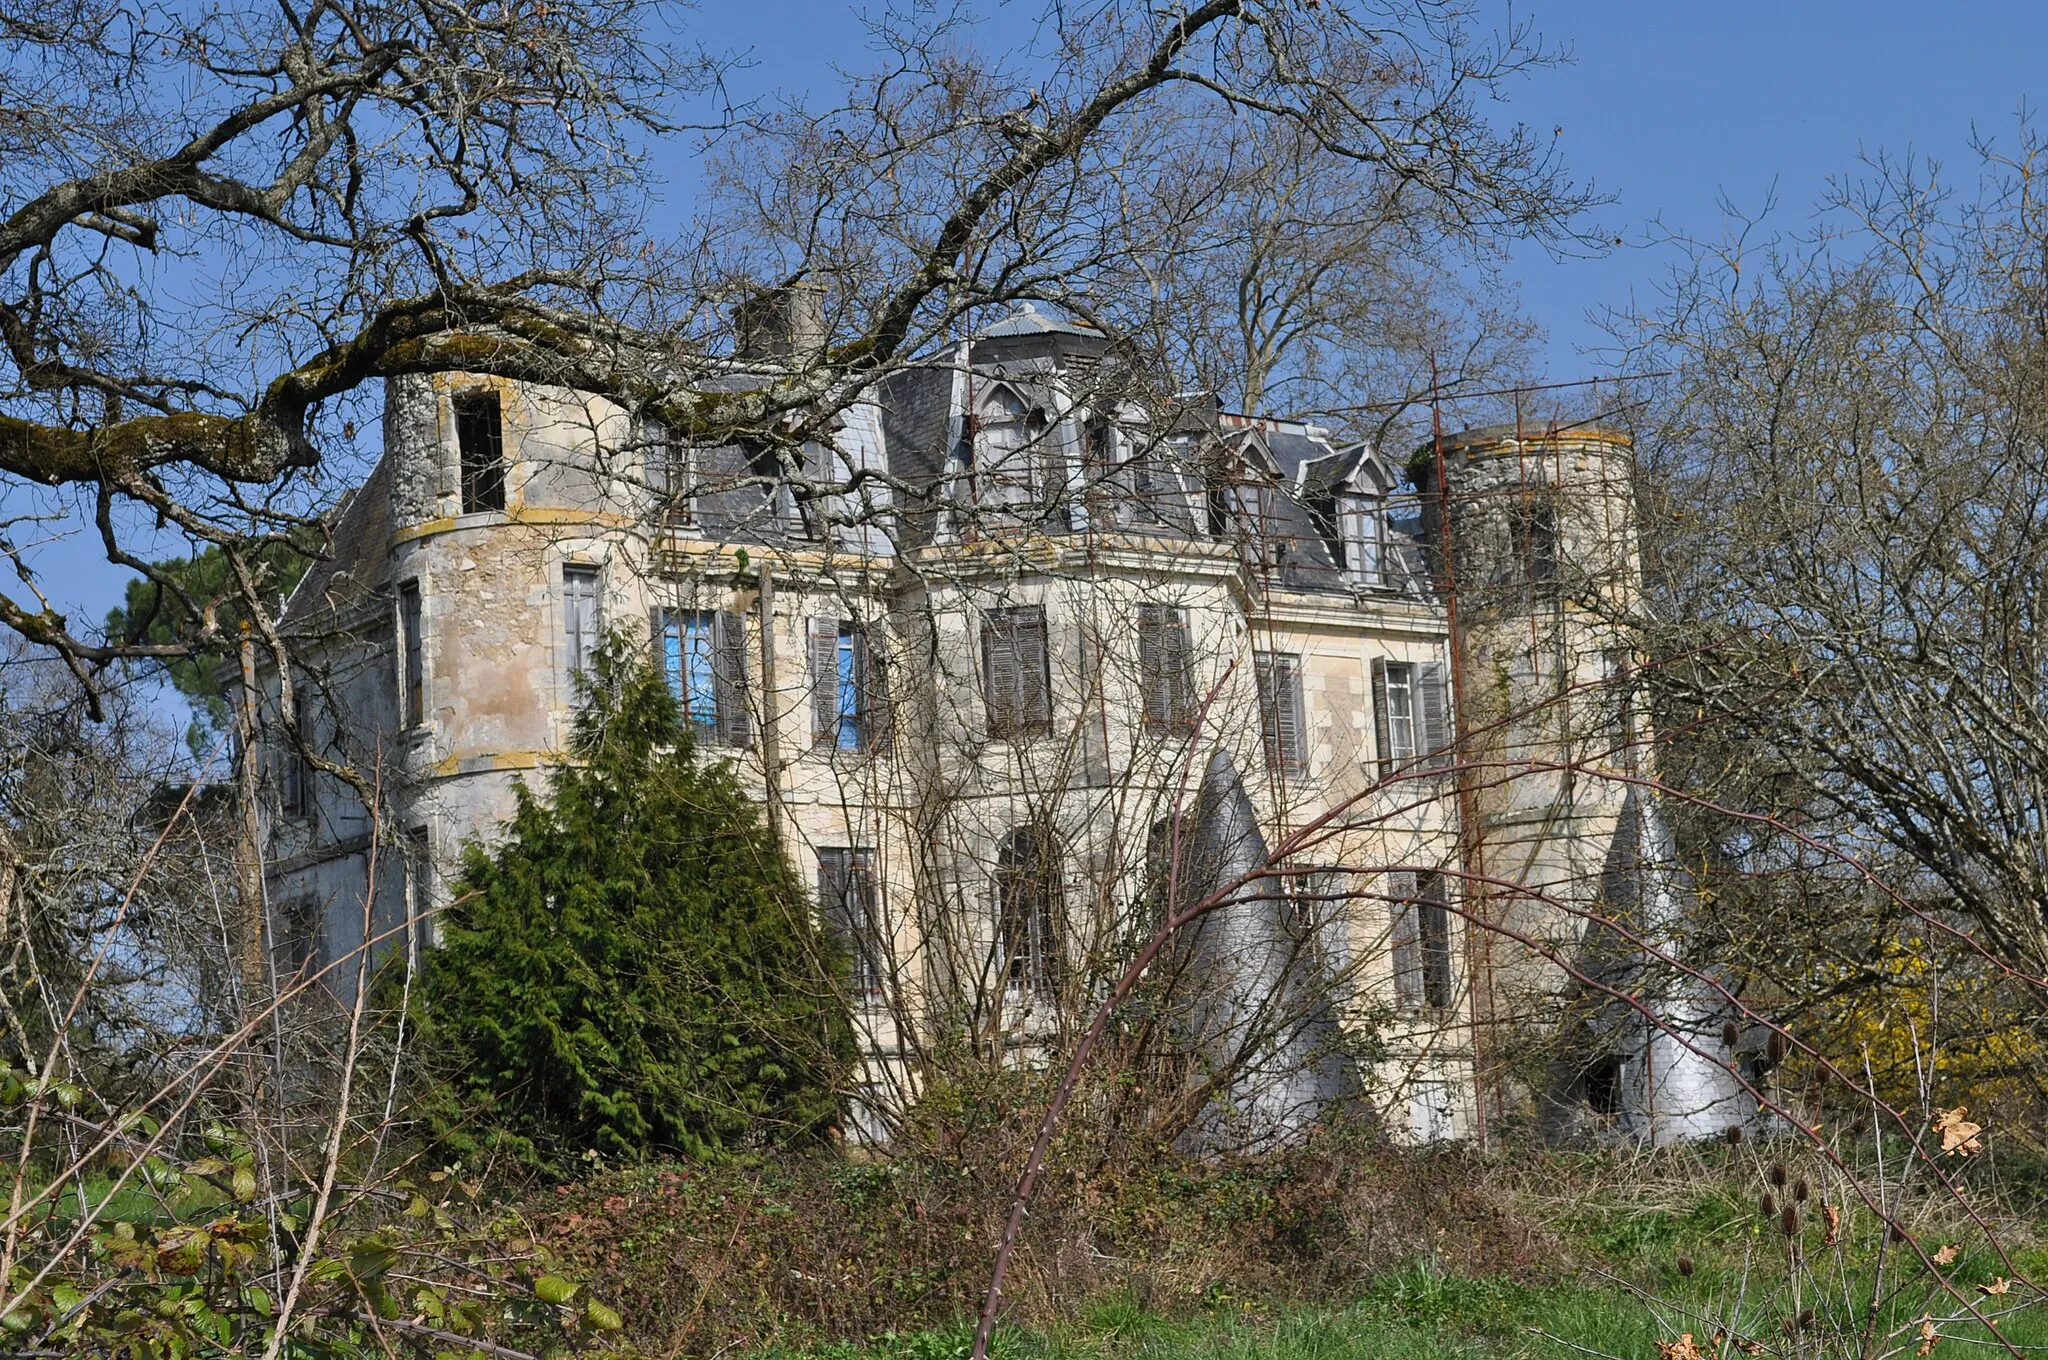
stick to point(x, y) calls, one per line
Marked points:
point(782, 323)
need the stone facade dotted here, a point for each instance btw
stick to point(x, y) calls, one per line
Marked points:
point(975, 655)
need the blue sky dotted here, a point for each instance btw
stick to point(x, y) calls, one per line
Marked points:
point(1668, 106)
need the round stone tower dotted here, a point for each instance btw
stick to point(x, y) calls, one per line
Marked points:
point(1533, 540)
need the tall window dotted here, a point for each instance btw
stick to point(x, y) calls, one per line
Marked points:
point(1027, 913)
point(1165, 666)
point(703, 654)
point(1421, 940)
point(294, 777)
point(295, 940)
point(1411, 715)
point(419, 890)
point(846, 902)
point(480, 440)
point(1322, 512)
point(1282, 714)
point(1016, 672)
point(849, 709)
point(667, 461)
point(412, 694)
point(579, 616)
point(1533, 524)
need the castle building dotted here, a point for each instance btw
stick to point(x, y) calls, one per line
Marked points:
point(974, 653)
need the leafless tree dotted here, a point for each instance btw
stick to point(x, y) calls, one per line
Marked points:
point(353, 194)
point(1850, 470)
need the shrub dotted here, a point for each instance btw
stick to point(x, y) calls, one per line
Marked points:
point(635, 966)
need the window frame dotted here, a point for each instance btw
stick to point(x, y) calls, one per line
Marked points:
point(1025, 712)
point(582, 584)
point(478, 415)
point(1279, 682)
point(412, 660)
point(1029, 951)
point(849, 705)
point(1419, 943)
point(846, 880)
point(723, 718)
point(1166, 669)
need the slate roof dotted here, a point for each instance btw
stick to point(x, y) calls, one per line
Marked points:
point(358, 567)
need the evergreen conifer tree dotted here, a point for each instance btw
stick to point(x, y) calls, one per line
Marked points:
point(635, 966)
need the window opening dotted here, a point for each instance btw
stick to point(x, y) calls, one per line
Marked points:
point(480, 440)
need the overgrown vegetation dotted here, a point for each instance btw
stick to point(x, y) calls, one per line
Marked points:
point(634, 966)
point(1343, 1248)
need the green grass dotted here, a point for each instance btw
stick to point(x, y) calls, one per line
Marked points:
point(1414, 1314)
point(1630, 1294)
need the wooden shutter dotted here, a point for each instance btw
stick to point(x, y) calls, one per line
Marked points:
point(834, 868)
point(1281, 717)
point(1383, 739)
point(729, 678)
point(871, 691)
point(1161, 661)
point(1292, 716)
point(1433, 927)
point(1264, 670)
point(1034, 672)
point(1405, 939)
point(1432, 716)
point(824, 666)
point(999, 675)
point(1180, 669)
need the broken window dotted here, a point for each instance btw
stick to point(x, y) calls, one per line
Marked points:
point(579, 617)
point(846, 903)
point(703, 654)
point(849, 710)
point(1410, 715)
point(480, 441)
point(1166, 666)
point(1027, 913)
point(1533, 563)
point(1016, 672)
point(1421, 940)
point(1283, 715)
point(412, 694)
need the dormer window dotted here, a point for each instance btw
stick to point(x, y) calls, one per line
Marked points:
point(1354, 531)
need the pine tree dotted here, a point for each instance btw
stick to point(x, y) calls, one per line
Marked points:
point(634, 966)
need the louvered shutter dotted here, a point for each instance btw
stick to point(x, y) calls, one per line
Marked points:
point(871, 690)
point(834, 907)
point(1433, 927)
point(1405, 939)
point(1265, 668)
point(729, 679)
point(1180, 669)
point(1154, 663)
point(1434, 716)
point(999, 675)
point(1034, 673)
point(824, 667)
point(1289, 718)
point(1382, 737)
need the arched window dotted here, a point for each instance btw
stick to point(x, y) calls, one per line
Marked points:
point(1028, 913)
